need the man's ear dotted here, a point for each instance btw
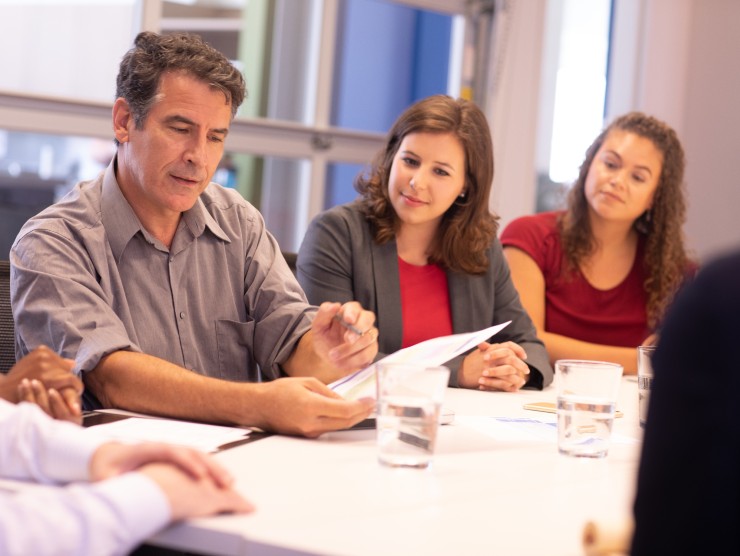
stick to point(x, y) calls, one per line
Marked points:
point(123, 120)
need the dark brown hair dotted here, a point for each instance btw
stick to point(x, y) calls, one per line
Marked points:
point(154, 55)
point(468, 227)
point(666, 260)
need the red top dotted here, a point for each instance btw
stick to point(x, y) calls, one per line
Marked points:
point(425, 303)
point(573, 307)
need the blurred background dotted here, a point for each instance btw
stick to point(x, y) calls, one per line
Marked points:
point(326, 79)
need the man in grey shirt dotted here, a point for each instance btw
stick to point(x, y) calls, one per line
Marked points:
point(167, 289)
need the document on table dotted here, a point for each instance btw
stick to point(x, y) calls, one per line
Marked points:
point(524, 429)
point(208, 438)
point(429, 353)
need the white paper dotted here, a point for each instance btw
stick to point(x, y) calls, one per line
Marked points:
point(513, 429)
point(524, 429)
point(429, 353)
point(207, 438)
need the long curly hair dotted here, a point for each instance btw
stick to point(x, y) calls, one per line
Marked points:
point(666, 260)
point(468, 226)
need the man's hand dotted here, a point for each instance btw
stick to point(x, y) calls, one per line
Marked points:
point(53, 372)
point(345, 336)
point(112, 458)
point(194, 497)
point(495, 367)
point(306, 407)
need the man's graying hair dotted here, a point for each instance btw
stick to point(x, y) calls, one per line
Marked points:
point(153, 55)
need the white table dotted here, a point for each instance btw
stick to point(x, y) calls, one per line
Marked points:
point(481, 496)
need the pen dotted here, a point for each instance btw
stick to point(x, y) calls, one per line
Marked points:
point(348, 326)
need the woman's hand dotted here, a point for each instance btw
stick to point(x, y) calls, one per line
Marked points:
point(494, 367)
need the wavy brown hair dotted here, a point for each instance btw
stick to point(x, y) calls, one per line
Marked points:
point(666, 260)
point(153, 55)
point(468, 227)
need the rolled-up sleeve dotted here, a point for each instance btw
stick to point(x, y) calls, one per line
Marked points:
point(275, 301)
point(58, 300)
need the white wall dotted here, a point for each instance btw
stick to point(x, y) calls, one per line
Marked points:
point(712, 126)
point(676, 59)
point(688, 74)
point(95, 34)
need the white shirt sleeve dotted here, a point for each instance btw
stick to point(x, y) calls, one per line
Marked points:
point(107, 518)
point(35, 446)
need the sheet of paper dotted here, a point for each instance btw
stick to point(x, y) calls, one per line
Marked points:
point(207, 438)
point(436, 351)
point(513, 429)
point(524, 429)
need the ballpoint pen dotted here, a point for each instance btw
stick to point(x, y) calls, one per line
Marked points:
point(351, 327)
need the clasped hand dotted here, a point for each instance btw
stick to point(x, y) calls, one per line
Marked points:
point(194, 483)
point(46, 379)
point(494, 367)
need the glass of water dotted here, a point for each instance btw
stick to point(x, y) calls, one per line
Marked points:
point(644, 379)
point(408, 410)
point(587, 398)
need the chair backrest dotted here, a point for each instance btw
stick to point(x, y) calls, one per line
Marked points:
point(291, 259)
point(7, 327)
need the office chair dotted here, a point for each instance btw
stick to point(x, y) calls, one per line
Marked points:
point(7, 327)
point(291, 259)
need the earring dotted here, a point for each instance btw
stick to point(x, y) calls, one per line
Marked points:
point(642, 224)
point(462, 195)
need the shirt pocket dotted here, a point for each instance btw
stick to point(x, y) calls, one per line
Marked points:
point(234, 342)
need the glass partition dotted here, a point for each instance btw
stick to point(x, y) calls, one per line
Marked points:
point(319, 100)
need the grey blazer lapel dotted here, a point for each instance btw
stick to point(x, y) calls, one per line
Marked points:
point(387, 295)
point(462, 303)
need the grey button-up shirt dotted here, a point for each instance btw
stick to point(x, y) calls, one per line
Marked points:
point(87, 280)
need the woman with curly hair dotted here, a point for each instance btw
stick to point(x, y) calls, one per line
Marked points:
point(419, 248)
point(596, 278)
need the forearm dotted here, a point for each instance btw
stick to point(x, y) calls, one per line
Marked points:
point(564, 347)
point(306, 362)
point(147, 384)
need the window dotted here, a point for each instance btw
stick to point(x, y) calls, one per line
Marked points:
point(573, 92)
point(319, 103)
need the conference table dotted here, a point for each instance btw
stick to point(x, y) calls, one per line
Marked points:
point(497, 485)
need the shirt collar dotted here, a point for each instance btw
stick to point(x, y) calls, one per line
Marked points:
point(121, 223)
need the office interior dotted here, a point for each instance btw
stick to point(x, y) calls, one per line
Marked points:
point(326, 78)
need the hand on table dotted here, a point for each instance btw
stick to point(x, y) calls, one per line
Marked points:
point(495, 367)
point(307, 407)
point(54, 374)
point(194, 483)
point(113, 458)
point(50, 401)
point(190, 496)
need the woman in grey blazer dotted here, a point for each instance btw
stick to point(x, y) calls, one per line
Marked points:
point(419, 248)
